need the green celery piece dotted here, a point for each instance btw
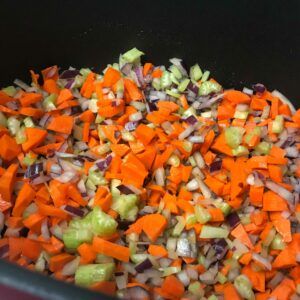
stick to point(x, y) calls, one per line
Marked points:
point(173, 92)
point(3, 119)
point(126, 206)
point(175, 71)
point(97, 178)
point(225, 207)
point(50, 102)
point(191, 219)
point(165, 80)
point(202, 215)
point(138, 258)
point(212, 297)
point(99, 119)
point(209, 87)
point(250, 135)
point(278, 124)
point(113, 188)
point(191, 111)
point(13, 125)
point(196, 289)
point(132, 55)
point(221, 278)
point(85, 72)
point(263, 148)
point(10, 90)
point(241, 115)
point(195, 72)
point(87, 275)
point(278, 243)
point(240, 151)
point(28, 161)
point(234, 136)
point(179, 226)
point(205, 76)
point(156, 83)
point(211, 232)
point(102, 224)
point(244, 287)
point(73, 238)
point(21, 136)
point(183, 85)
point(28, 122)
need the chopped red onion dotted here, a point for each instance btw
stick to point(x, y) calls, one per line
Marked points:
point(2, 220)
point(70, 267)
point(192, 273)
point(192, 185)
point(67, 176)
point(124, 189)
point(135, 117)
point(103, 164)
point(186, 133)
point(65, 155)
point(210, 101)
point(12, 105)
point(130, 126)
point(183, 247)
point(233, 219)
point(136, 293)
point(192, 120)
point(281, 191)
point(144, 265)
point(292, 152)
point(259, 88)
point(209, 276)
point(193, 88)
point(215, 166)
point(4, 251)
point(69, 74)
point(40, 179)
point(178, 63)
point(139, 74)
point(12, 232)
point(72, 210)
point(220, 248)
point(33, 170)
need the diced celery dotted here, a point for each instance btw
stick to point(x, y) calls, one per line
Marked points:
point(113, 188)
point(192, 161)
point(183, 85)
point(212, 297)
point(13, 125)
point(278, 243)
point(205, 76)
point(138, 258)
point(206, 114)
point(250, 135)
point(102, 149)
point(90, 185)
point(243, 115)
point(3, 119)
point(74, 237)
point(209, 87)
point(174, 79)
point(21, 136)
point(211, 232)
point(156, 83)
point(174, 70)
point(189, 112)
point(234, 136)
point(28, 122)
point(99, 119)
point(28, 160)
point(79, 80)
point(165, 80)
point(102, 223)
point(93, 105)
point(126, 206)
point(127, 136)
point(195, 72)
point(132, 55)
point(97, 178)
point(263, 148)
point(225, 207)
point(10, 90)
point(179, 226)
point(244, 287)
point(173, 92)
point(196, 289)
point(202, 215)
point(120, 86)
point(103, 259)
point(187, 146)
point(191, 219)
point(87, 275)
point(171, 270)
point(278, 124)
point(132, 247)
point(201, 259)
point(116, 66)
point(221, 278)
point(85, 72)
point(245, 219)
point(174, 160)
point(240, 151)
point(50, 102)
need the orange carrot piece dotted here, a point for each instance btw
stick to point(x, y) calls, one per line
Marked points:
point(111, 249)
point(273, 202)
point(240, 233)
point(61, 124)
point(236, 97)
point(57, 262)
point(7, 181)
point(111, 76)
point(157, 250)
point(283, 226)
point(87, 253)
point(30, 98)
point(31, 249)
point(35, 137)
point(173, 287)
point(132, 89)
point(154, 225)
point(9, 148)
point(256, 195)
point(25, 196)
point(145, 134)
point(64, 95)
point(51, 87)
point(147, 68)
point(230, 293)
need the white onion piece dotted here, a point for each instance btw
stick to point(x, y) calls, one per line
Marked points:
point(160, 176)
point(204, 189)
point(199, 160)
point(40, 179)
point(45, 230)
point(196, 139)
point(65, 177)
point(247, 91)
point(65, 155)
point(71, 267)
point(136, 117)
point(183, 277)
point(121, 280)
point(192, 185)
point(281, 191)
point(187, 132)
point(264, 261)
point(284, 99)
point(21, 84)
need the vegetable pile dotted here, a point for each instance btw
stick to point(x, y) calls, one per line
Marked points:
point(149, 182)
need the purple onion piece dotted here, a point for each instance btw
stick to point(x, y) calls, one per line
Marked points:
point(194, 88)
point(104, 164)
point(34, 170)
point(220, 248)
point(130, 126)
point(215, 166)
point(76, 110)
point(192, 120)
point(144, 265)
point(259, 88)
point(24, 232)
point(124, 189)
point(139, 74)
point(288, 142)
point(73, 210)
point(152, 106)
point(233, 219)
point(4, 250)
point(69, 74)
point(126, 69)
point(85, 157)
point(69, 83)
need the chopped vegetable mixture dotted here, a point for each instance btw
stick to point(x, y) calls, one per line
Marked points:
point(151, 182)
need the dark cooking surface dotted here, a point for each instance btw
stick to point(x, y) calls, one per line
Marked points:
point(240, 41)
